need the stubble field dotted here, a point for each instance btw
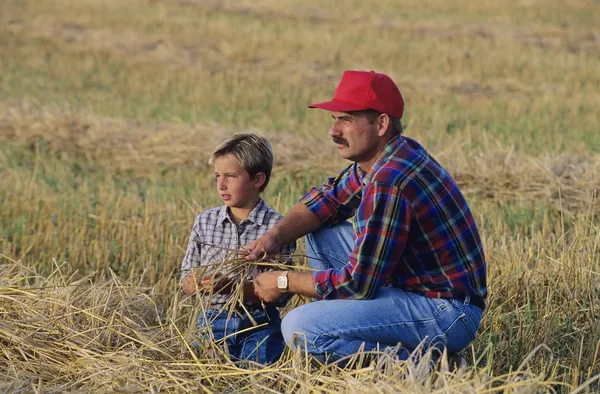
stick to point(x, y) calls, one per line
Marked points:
point(110, 109)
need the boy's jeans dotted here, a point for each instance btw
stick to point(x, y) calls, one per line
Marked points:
point(333, 329)
point(263, 344)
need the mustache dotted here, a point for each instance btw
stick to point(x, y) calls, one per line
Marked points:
point(340, 140)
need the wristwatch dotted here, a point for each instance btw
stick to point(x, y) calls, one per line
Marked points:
point(282, 282)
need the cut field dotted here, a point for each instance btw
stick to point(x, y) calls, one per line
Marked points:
point(109, 110)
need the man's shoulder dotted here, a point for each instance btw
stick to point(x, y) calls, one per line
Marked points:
point(407, 166)
point(400, 170)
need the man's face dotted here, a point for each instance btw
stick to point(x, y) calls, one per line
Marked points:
point(356, 139)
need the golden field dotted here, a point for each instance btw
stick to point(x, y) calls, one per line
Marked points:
point(109, 110)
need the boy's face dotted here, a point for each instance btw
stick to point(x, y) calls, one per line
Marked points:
point(234, 185)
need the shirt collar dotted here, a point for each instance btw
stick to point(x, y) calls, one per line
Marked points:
point(382, 158)
point(257, 215)
point(223, 215)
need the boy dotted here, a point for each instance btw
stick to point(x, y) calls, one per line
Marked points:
point(242, 167)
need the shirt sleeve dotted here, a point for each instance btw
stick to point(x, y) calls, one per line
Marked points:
point(337, 199)
point(192, 259)
point(387, 215)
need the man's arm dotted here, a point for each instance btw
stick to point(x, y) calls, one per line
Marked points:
point(336, 200)
point(385, 218)
point(378, 249)
point(265, 285)
point(298, 222)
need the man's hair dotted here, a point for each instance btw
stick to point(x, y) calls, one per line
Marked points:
point(252, 151)
point(372, 115)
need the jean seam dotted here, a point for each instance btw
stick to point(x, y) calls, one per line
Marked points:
point(321, 253)
point(445, 333)
point(312, 344)
point(467, 310)
point(443, 306)
point(320, 349)
point(339, 333)
point(466, 323)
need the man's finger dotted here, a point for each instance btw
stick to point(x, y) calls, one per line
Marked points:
point(252, 255)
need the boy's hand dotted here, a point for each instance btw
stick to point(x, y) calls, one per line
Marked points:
point(213, 283)
point(261, 248)
point(265, 286)
point(191, 283)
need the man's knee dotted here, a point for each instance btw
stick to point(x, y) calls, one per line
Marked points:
point(289, 325)
point(295, 328)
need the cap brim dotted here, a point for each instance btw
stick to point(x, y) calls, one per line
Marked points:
point(337, 106)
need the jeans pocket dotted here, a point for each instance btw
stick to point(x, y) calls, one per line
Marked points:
point(441, 303)
point(460, 333)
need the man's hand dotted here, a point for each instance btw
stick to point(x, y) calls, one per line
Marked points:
point(261, 248)
point(298, 222)
point(265, 286)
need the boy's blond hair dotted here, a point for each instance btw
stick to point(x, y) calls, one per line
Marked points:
point(252, 151)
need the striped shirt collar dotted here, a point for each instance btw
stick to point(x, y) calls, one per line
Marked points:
point(382, 158)
point(256, 216)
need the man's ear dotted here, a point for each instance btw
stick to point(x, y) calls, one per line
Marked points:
point(383, 122)
point(259, 180)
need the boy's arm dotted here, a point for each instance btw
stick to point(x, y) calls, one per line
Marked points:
point(191, 260)
point(225, 286)
point(250, 294)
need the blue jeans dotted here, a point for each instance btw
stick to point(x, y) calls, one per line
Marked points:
point(332, 329)
point(263, 345)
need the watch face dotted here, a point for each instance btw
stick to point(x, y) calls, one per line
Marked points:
point(282, 282)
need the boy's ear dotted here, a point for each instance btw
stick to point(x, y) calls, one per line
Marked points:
point(259, 179)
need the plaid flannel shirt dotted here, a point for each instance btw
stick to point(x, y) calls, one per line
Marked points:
point(214, 232)
point(414, 229)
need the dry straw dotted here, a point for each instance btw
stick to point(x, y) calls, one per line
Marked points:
point(58, 333)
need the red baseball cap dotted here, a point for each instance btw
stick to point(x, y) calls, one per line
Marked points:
point(360, 90)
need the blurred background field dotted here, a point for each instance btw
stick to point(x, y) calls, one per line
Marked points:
point(109, 110)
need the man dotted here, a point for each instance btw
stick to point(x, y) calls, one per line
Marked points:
point(413, 270)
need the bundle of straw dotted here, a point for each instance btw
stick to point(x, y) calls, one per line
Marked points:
point(233, 271)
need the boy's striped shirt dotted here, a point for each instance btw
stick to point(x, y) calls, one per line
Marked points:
point(214, 232)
